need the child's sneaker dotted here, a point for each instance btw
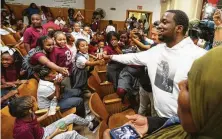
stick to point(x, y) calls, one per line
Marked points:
point(94, 126)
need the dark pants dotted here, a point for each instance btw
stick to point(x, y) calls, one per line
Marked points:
point(5, 91)
point(72, 98)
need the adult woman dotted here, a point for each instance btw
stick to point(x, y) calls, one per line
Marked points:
point(199, 103)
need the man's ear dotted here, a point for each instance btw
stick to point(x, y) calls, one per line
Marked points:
point(179, 28)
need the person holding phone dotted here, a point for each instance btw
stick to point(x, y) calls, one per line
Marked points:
point(218, 29)
point(199, 104)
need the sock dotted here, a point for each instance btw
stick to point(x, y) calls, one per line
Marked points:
point(121, 92)
point(90, 125)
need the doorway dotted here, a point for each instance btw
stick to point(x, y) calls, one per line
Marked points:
point(145, 16)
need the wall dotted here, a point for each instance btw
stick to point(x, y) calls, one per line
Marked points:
point(191, 7)
point(56, 11)
point(79, 4)
point(122, 5)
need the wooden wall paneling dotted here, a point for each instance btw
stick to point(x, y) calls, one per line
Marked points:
point(90, 4)
point(56, 11)
point(17, 10)
point(88, 16)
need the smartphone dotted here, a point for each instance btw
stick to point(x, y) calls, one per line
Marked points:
point(124, 132)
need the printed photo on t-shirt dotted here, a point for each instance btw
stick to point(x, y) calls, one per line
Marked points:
point(164, 76)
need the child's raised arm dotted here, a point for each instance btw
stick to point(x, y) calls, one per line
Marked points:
point(93, 63)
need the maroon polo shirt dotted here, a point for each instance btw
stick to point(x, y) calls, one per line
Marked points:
point(34, 60)
point(110, 50)
point(10, 74)
point(52, 25)
point(31, 35)
point(27, 129)
point(62, 57)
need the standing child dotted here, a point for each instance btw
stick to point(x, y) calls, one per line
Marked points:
point(61, 54)
point(32, 33)
point(71, 45)
point(101, 45)
point(27, 124)
point(80, 76)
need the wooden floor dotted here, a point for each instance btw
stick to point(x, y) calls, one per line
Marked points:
point(84, 131)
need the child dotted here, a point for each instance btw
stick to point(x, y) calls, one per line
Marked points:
point(101, 45)
point(79, 18)
point(32, 33)
point(38, 57)
point(113, 68)
point(71, 45)
point(79, 76)
point(10, 73)
point(27, 124)
point(49, 86)
point(61, 55)
point(71, 16)
point(59, 21)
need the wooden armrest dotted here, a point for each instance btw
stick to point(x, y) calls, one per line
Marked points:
point(70, 127)
point(102, 71)
point(43, 111)
point(10, 45)
point(112, 101)
point(106, 83)
point(70, 111)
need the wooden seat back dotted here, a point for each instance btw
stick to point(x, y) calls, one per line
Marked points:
point(8, 39)
point(29, 89)
point(97, 107)
point(102, 127)
point(7, 123)
point(17, 36)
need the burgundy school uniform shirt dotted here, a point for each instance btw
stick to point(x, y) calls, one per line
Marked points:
point(52, 25)
point(110, 50)
point(62, 57)
point(27, 129)
point(10, 74)
point(31, 35)
point(34, 60)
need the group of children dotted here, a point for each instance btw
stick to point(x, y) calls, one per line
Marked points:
point(59, 60)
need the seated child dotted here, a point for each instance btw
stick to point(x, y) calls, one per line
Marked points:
point(49, 86)
point(27, 124)
point(10, 73)
point(59, 21)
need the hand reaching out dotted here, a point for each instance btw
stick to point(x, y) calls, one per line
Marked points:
point(64, 71)
point(217, 17)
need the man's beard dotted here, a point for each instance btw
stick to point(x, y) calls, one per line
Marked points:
point(165, 39)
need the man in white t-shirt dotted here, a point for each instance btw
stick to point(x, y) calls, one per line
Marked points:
point(167, 63)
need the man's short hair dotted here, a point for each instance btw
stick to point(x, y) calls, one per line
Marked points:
point(180, 18)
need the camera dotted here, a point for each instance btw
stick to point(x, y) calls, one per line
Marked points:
point(203, 30)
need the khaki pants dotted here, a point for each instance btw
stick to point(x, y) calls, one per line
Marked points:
point(146, 103)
